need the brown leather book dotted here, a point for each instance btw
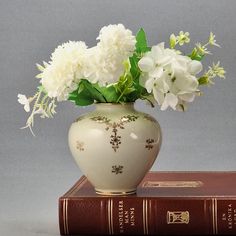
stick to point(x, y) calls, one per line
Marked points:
point(166, 203)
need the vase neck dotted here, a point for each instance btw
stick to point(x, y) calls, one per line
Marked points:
point(113, 107)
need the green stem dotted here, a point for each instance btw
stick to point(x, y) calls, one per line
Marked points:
point(120, 96)
point(145, 98)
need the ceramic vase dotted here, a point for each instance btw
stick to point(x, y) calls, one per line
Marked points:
point(114, 146)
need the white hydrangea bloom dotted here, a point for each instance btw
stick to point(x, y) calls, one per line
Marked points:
point(169, 76)
point(105, 61)
point(61, 74)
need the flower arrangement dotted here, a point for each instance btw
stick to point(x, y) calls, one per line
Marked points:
point(122, 68)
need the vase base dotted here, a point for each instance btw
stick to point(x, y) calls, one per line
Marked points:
point(115, 193)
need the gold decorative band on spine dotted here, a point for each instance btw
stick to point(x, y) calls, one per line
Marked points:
point(214, 216)
point(112, 227)
point(145, 216)
point(65, 216)
point(110, 216)
point(115, 193)
point(67, 228)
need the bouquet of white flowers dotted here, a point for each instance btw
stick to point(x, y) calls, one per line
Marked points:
point(121, 68)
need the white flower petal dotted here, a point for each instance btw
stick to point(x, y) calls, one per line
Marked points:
point(157, 51)
point(162, 85)
point(170, 100)
point(149, 84)
point(146, 64)
point(22, 99)
point(186, 82)
point(142, 79)
point(187, 97)
point(159, 96)
point(156, 73)
point(195, 67)
point(27, 107)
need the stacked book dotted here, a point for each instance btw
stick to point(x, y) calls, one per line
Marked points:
point(166, 203)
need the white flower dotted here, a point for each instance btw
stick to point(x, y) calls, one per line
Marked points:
point(102, 68)
point(61, 75)
point(117, 40)
point(105, 61)
point(158, 57)
point(169, 76)
point(22, 99)
point(212, 40)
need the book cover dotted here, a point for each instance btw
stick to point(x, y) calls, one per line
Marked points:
point(166, 203)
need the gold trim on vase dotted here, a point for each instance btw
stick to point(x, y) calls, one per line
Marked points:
point(101, 192)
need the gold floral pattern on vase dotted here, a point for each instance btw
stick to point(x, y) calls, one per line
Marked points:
point(149, 144)
point(79, 145)
point(80, 118)
point(101, 119)
point(115, 140)
point(150, 118)
point(117, 169)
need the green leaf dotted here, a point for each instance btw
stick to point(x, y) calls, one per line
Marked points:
point(195, 55)
point(86, 94)
point(81, 88)
point(109, 93)
point(134, 69)
point(81, 99)
point(94, 93)
point(141, 42)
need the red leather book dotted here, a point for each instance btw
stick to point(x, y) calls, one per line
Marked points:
point(166, 203)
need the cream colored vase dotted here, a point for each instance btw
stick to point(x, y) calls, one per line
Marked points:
point(115, 146)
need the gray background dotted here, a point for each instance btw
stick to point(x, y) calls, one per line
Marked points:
point(34, 172)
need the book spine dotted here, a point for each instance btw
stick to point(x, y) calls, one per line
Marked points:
point(147, 216)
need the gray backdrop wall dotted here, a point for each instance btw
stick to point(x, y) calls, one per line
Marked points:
point(35, 171)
